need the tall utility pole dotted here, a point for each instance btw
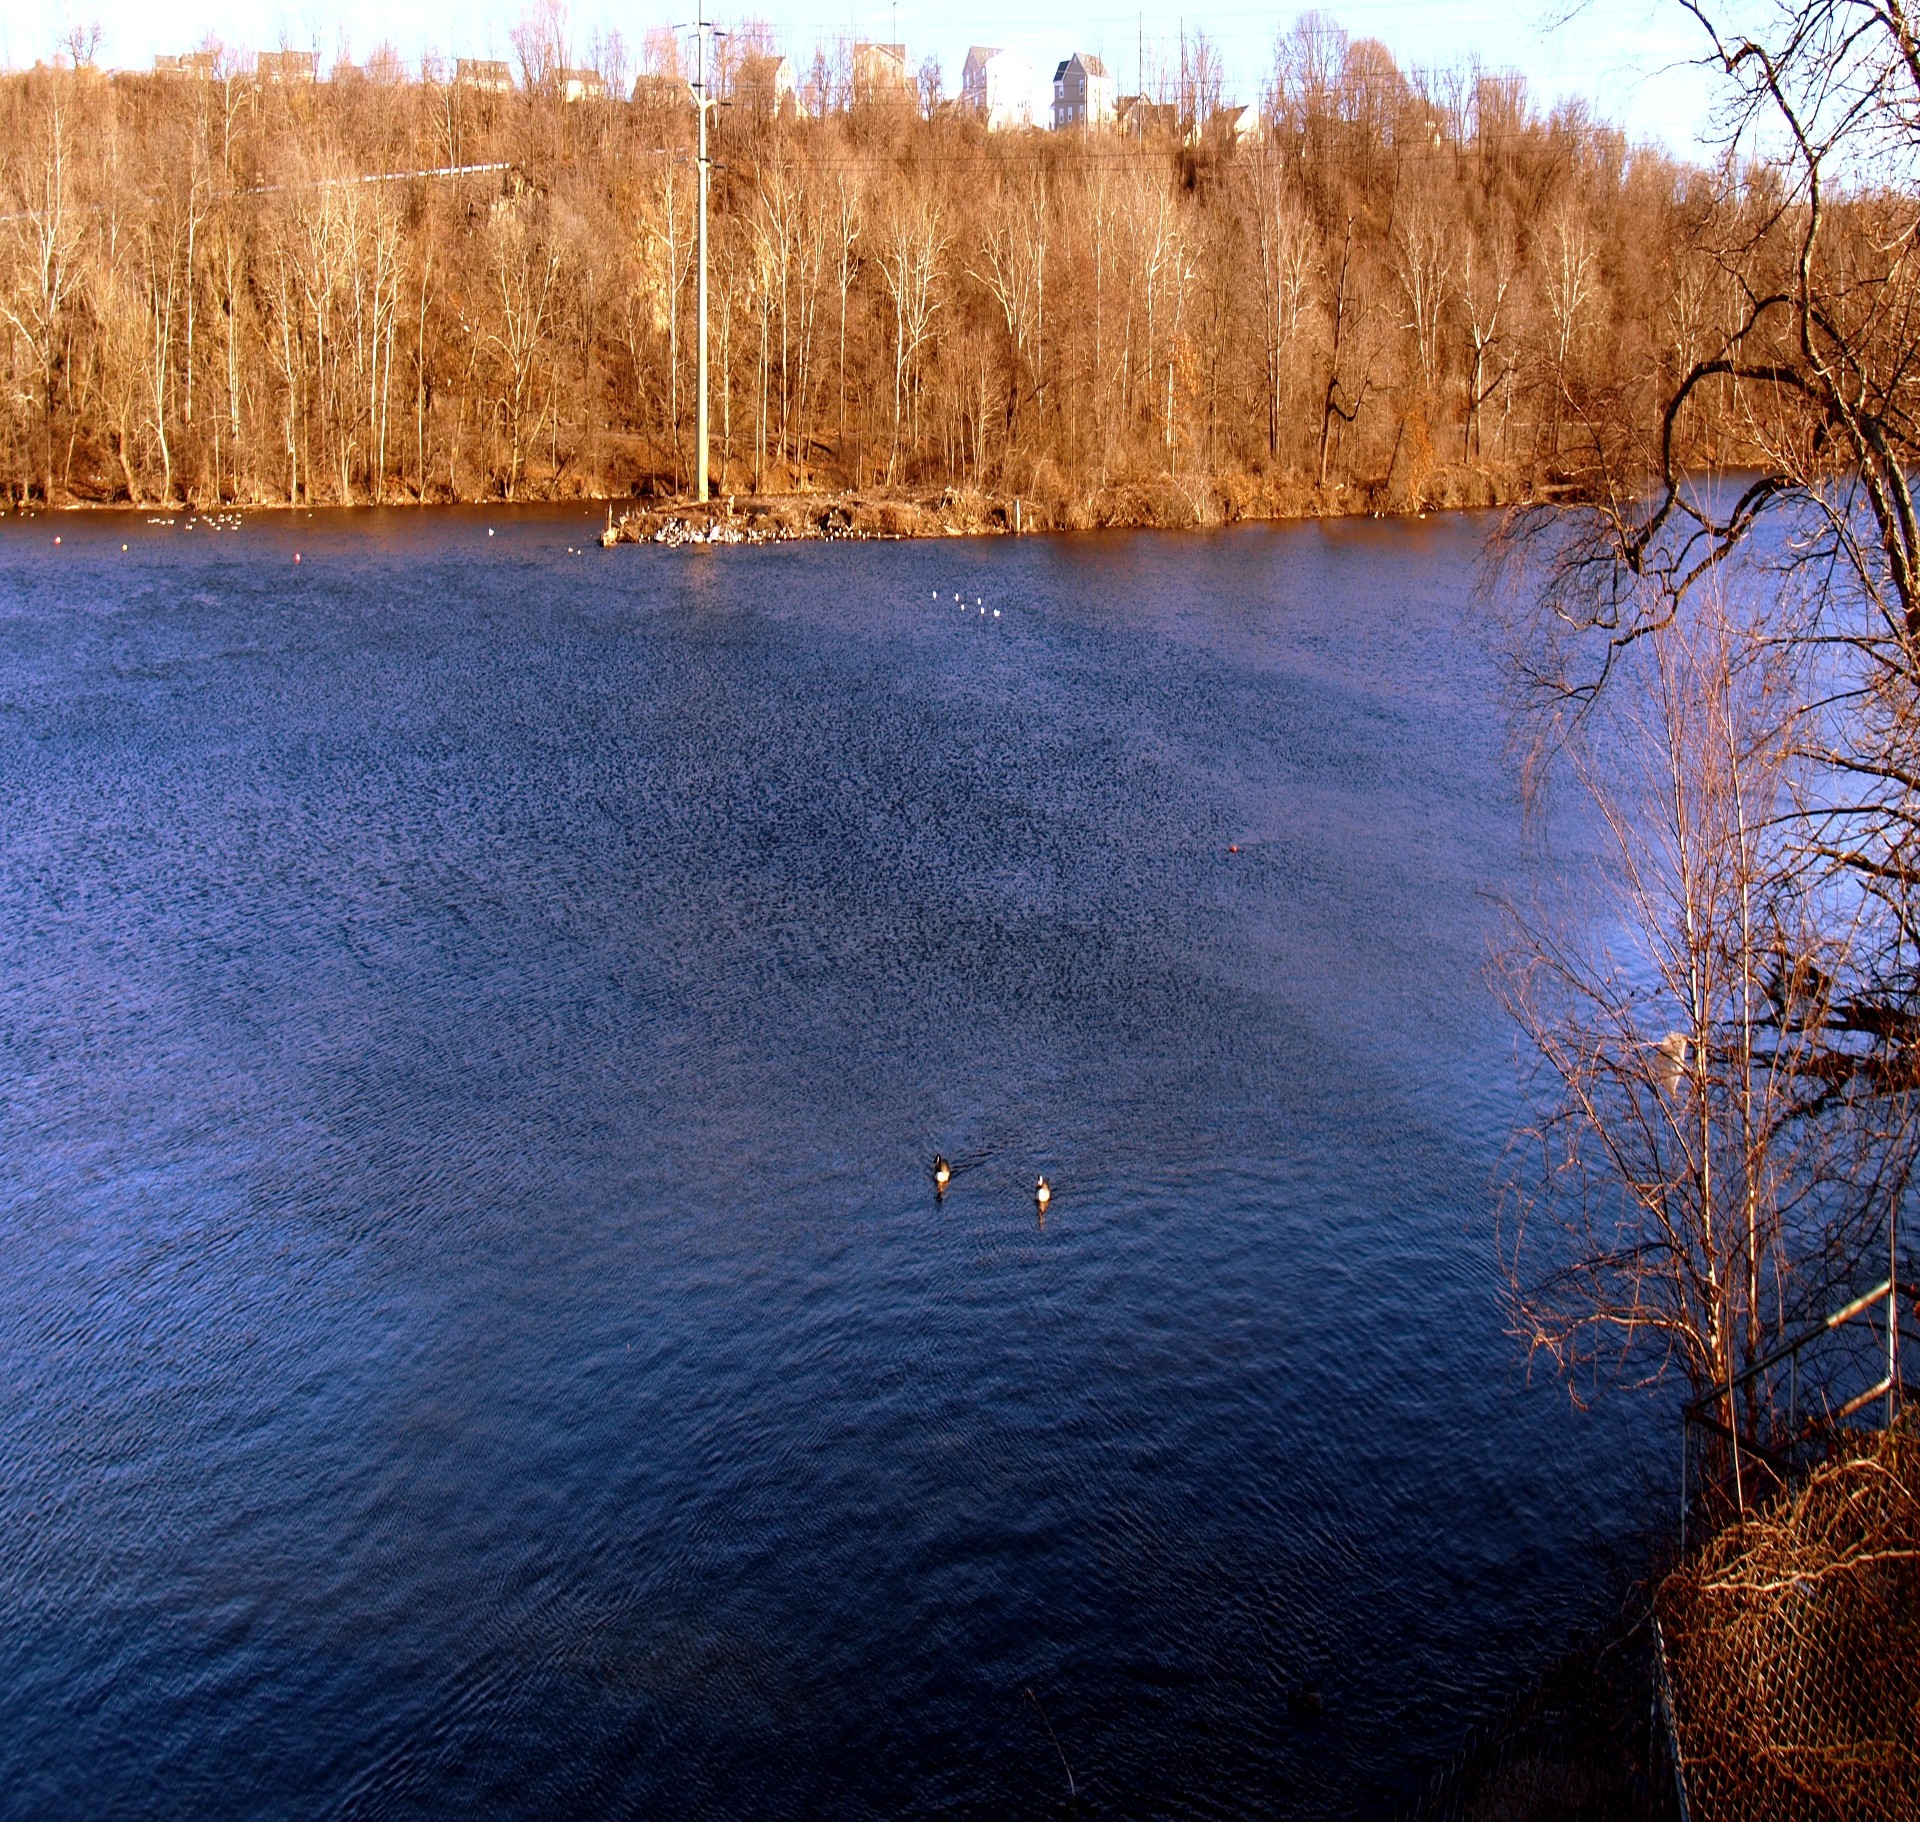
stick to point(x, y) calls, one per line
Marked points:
point(705, 163)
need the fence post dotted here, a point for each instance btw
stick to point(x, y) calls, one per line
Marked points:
point(1893, 1345)
point(1893, 1308)
point(1663, 1700)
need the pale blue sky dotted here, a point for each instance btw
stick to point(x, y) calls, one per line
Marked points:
point(1632, 59)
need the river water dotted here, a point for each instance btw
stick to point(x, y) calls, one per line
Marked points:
point(477, 1335)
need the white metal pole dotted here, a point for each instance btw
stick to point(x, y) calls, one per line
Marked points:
point(700, 382)
point(1893, 1307)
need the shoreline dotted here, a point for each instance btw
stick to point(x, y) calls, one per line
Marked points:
point(896, 515)
point(903, 514)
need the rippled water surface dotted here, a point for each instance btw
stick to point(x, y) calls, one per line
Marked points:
point(476, 1332)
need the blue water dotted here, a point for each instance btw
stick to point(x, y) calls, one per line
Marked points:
point(476, 1332)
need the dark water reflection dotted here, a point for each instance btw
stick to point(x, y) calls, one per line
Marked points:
point(476, 1335)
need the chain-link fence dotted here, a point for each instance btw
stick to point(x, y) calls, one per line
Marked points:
point(1778, 1676)
point(1745, 1444)
point(1792, 1648)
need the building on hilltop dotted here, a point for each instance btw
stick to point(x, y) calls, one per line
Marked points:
point(1140, 118)
point(494, 75)
point(288, 67)
point(998, 86)
point(764, 84)
point(661, 92)
point(880, 73)
point(580, 85)
point(1230, 125)
point(1082, 92)
point(197, 66)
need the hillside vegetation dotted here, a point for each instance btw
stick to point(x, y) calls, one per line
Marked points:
point(1394, 292)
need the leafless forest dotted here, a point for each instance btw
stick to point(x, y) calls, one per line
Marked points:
point(1730, 673)
point(1399, 290)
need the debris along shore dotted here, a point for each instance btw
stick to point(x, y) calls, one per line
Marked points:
point(965, 513)
point(784, 518)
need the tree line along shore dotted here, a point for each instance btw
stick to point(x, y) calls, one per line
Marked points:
point(1396, 291)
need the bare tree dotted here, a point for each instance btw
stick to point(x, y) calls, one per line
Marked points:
point(45, 228)
point(1423, 268)
point(1340, 400)
point(1567, 279)
point(912, 249)
point(527, 268)
point(1813, 233)
point(847, 221)
point(1013, 269)
point(1819, 251)
point(1285, 239)
point(1486, 278)
point(1707, 1158)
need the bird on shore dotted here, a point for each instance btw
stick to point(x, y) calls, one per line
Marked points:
point(1043, 1194)
point(942, 1174)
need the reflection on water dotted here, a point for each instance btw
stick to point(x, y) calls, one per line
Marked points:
point(477, 1333)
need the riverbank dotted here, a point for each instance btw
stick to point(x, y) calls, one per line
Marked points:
point(1155, 502)
point(1163, 503)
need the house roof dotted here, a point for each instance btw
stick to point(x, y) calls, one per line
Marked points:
point(660, 88)
point(1090, 65)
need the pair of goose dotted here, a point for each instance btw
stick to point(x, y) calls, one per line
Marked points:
point(943, 1175)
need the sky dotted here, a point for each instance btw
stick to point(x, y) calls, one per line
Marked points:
point(1633, 61)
